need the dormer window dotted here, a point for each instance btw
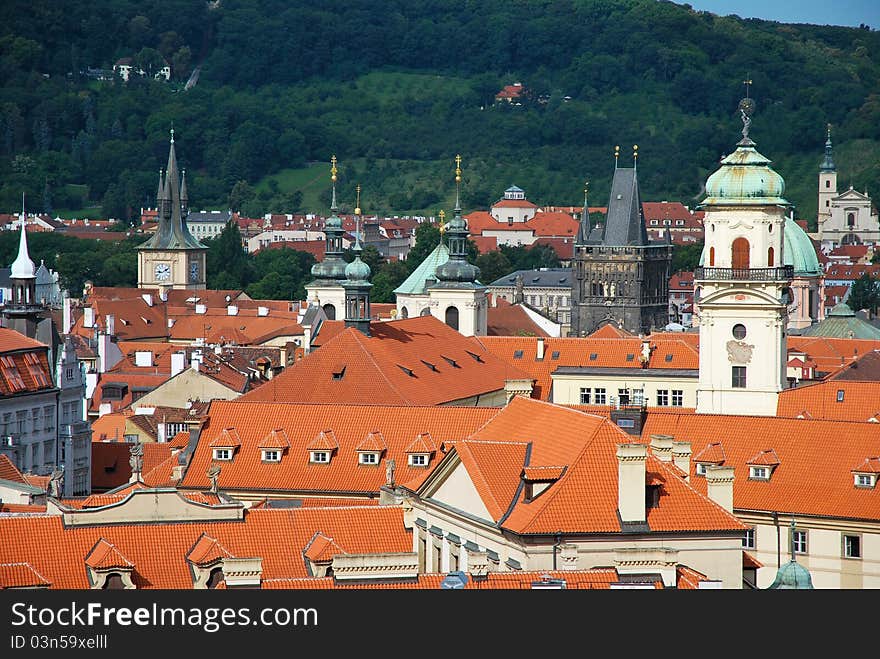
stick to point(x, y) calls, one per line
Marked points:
point(865, 480)
point(759, 473)
point(418, 459)
point(368, 457)
point(271, 455)
point(701, 468)
point(319, 457)
point(223, 454)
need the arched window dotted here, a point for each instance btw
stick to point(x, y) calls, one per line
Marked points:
point(330, 311)
point(215, 578)
point(425, 312)
point(711, 257)
point(452, 317)
point(850, 220)
point(404, 312)
point(114, 582)
point(740, 249)
point(769, 257)
point(827, 184)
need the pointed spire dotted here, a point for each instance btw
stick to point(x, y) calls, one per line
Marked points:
point(635, 155)
point(184, 197)
point(616, 154)
point(827, 164)
point(333, 172)
point(584, 224)
point(23, 266)
point(357, 220)
point(160, 193)
point(458, 184)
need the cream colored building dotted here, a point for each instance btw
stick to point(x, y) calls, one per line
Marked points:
point(573, 385)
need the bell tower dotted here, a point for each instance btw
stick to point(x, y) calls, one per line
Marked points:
point(742, 284)
point(827, 184)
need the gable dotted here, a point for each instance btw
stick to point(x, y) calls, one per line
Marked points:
point(457, 490)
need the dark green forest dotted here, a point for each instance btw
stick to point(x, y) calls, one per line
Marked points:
point(398, 88)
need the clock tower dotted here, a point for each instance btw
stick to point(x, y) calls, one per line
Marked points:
point(172, 257)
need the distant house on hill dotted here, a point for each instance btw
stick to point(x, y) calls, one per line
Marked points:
point(512, 94)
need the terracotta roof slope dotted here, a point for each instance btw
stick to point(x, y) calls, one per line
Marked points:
point(20, 575)
point(105, 555)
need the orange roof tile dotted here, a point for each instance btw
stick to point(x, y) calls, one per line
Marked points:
point(389, 368)
point(423, 443)
point(110, 465)
point(816, 458)
point(277, 438)
point(869, 466)
point(750, 561)
point(20, 575)
point(305, 424)
point(105, 555)
point(9, 472)
point(548, 473)
point(10, 341)
point(712, 453)
point(374, 441)
point(766, 457)
point(109, 427)
point(322, 549)
point(228, 437)
point(207, 550)
point(158, 551)
point(505, 319)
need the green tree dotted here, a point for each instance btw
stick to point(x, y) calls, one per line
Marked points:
point(493, 265)
point(686, 257)
point(427, 238)
point(864, 294)
point(241, 193)
point(390, 276)
point(228, 265)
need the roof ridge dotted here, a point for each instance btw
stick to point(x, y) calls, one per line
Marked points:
point(358, 339)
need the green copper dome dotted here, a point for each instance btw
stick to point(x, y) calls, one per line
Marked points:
point(330, 268)
point(792, 576)
point(745, 178)
point(798, 251)
point(357, 270)
point(333, 222)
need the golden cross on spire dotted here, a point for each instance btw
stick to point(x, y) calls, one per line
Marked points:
point(748, 83)
point(457, 168)
point(333, 169)
point(357, 207)
point(442, 215)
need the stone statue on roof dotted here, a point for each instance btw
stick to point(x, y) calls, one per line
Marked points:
point(213, 474)
point(56, 482)
point(389, 473)
point(137, 457)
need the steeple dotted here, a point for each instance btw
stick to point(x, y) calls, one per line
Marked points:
point(332, 268)
point(827, 164)
point(184, 198)
point(23, 266)
point(625, 220)
point(172, 233)
point(23, 312)
point(357, 288)
point(584, 224)
point(457, 271)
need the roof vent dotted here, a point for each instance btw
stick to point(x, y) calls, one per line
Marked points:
point(454, 581)
point(593, 356)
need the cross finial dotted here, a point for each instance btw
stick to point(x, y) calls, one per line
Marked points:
point(172, 133)
point(616, 155)
point(635, 154)
point(829, 130)
point(748, 83)
point(357, 205)
point(333, 169)
point(457, 168)
point(442, 215)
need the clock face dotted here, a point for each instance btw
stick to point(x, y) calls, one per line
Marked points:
point(163, 271)
point(194, 271)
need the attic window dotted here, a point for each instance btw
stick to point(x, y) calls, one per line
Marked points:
point(535, 280)
point(554, 354)
point(319, 457)
point(865, 480)
point(429, 365)
point(759, 473)
point(406, 370)
point(271, 455)
point(701, 468)
point(418, 459)
point(476, 357)
point(146, 320)
point(451, 361)
point(518, 354)
point(563, 280)
point(338, 375)
point(223, 454)
point(840, 395)
point(593, 356)
point(630, 357)
point(669, 358)
point(368, 457)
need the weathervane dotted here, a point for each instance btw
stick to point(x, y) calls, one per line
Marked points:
point(746, 109)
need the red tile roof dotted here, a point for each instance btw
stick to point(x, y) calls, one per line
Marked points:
point(20, 575)
point(110, 465)
point(816, 458)
point(323, 427)
point(505, 319)
point(392, 367)
point(859, 401)
point(11, 341)
point(9, 472)
point(105, 555)
point(158, 551)
point(513, 203)
point(207, 550)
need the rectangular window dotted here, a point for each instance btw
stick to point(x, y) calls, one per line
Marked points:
point(223, 454)
point(662, 397)
point(623, 396)
point(369, 458)
point(11, 374)
point(68, 373)
point(840, 395)
point(271, 455)
point(799, 539)
point(677, 397)
point(864, 480)
point(739, 377)
point(418, 459)
point(852, 546)
point(35, 419)
point(320, 457)
point(599, 395)
point(638, 396)
point(48, 418)
point(749, 539)
point(585, 395)
point(626, 423)
point(701, 469)
point(35, 368)
point(759, 473)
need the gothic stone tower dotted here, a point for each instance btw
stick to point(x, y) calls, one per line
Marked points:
point(743, 285)
point(172, 257)
point(619, 276)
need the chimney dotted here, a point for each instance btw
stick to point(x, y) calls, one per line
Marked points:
point(66, 315)
point(201, 308)
point(540, 353)
point(178, 362)
point(661, 447)
point(195, 360)
point(681, 457)
point(111, 325)
point(148, 298)
point(232, 310)
point(88, 317)
point(262, 311)
point(719, 486)
point(631, 459)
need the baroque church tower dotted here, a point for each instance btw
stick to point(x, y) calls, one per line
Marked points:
point(356, 284)
point(827, 183)
point(619, 276)
point(458, 298)
point(172, 257)
point(326, 289)
point(743, 286)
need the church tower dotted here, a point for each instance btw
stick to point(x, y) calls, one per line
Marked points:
point(356, 284)
point(326, 289)
point(619, 276)
point(743, 286)
point(458, 298)
point(827, 184)
point(172, 257)
point(23, 311)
